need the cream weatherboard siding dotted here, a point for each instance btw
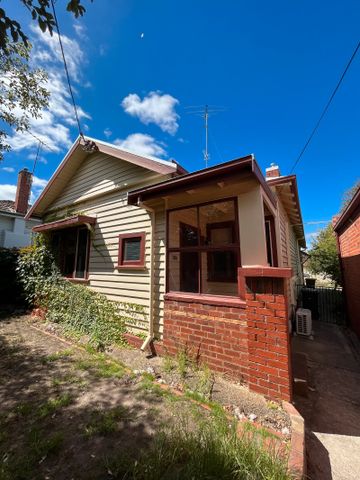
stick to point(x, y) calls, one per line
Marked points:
point(99, 189)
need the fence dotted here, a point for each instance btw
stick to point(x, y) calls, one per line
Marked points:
point(326, 304)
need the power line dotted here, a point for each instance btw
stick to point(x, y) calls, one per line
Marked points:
point(41, 141)
point(326, 107)
point(37, 156)
point(67, 71)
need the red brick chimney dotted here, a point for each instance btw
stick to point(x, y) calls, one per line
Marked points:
point(273, 171)
point(23, 191)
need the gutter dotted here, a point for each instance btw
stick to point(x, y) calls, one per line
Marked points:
point(150, 336)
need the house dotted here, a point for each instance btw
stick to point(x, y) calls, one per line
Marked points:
point(209, 258)
point(347, 231)
point(15, 231)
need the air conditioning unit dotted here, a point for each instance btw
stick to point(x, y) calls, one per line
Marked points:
point(303, 322)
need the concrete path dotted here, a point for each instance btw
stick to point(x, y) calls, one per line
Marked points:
point(332, 408)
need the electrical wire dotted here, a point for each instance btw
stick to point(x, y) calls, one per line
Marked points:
point(325, 108)
point(67, 71)
point(37, 156)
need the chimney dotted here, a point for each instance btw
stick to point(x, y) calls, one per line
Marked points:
point(23, 191)
point(273, 171)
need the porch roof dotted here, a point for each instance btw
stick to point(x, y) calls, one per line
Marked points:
point(65, 223)
point(218, 172)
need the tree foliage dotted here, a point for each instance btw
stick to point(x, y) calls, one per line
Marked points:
point(40, 11)
point(348, 195)
point(324, 259)
point(22, 91)
point(22, 88)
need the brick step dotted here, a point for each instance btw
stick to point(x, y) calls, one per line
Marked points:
point(300, 374)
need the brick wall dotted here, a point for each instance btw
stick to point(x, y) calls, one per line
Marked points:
point(349, 247)
point(268, 345)
point(249, 342)
point(215, 335)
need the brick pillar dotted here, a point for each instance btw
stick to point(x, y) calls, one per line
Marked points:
point(23, 191)
point(269, 354)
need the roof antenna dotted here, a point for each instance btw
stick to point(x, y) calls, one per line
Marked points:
point(88, 146)
point(205, 113)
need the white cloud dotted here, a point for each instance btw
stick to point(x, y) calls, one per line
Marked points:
point(154, 108)
point(107, 132)
point(80, 31)
point(8, 169)
point(7, 192)
point(53, 128)
point(141, 144)
point(40, 159)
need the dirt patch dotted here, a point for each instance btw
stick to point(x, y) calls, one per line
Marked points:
point(63, 408)
point(185, 375)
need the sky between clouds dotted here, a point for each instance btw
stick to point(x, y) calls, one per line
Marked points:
point(271, 65)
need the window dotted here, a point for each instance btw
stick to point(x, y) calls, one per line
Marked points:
point(270, 241)
point(203, 249)
point(72, 248)
point(131, 250)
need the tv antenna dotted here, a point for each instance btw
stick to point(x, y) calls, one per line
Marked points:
point(205, 112)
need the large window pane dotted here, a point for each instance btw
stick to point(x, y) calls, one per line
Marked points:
point(183, 228)
point(81, 253)
point(183, 272)
point(69, 250)
point(219, 273)
point(217, 223)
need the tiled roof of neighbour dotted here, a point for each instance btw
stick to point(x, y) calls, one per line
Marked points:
point(7, 206)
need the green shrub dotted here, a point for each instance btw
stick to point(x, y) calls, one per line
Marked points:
point(75, 307)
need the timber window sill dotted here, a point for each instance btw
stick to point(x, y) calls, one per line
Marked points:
point(130, 267)
point(77, 280)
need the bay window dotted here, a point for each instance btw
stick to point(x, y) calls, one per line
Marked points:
point(203, 249)
point(71, 247)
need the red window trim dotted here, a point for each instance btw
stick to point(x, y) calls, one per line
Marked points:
point(202, 248)
point(270, 219)
point(133, 264)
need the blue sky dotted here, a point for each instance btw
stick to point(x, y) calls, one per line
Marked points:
point(137, 64)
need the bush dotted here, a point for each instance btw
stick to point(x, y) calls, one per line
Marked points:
point(11, 291)
point(75, 307)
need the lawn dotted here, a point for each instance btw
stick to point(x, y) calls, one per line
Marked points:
point(73, 413)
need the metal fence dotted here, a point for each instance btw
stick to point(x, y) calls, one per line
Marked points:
point(326, 304)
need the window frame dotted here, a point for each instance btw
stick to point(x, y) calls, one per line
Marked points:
point(271, 242)
point(131, 264)
point(61, 260)
point(201, 247)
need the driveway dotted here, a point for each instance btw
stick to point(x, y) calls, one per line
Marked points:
point(332, 408)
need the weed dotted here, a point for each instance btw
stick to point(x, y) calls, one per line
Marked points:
point(68, 379)
point(209, 448)
point(182, 363)
point(23, 409)
point(205, 383)
point(273, 405)
point(52, 405)
point(101, 367)
point(168, 364)
point(60, 355)
point(105, 422)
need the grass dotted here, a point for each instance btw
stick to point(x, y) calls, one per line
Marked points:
point(201, 449)
point(168, 364)
point(106, 422)
point(54, 404)
point(38, 447)
point(100, 366)
point(60, 355)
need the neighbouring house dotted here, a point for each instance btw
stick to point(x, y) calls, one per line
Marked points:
point(15, 230)
point(347, 230)
point(211, 257)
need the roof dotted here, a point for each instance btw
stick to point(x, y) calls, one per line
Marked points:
point(287, 191)
point(65, 223)
point(76, 155)
point(7, 206)
point(247, 163)
point(352, 210)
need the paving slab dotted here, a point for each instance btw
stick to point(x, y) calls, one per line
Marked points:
point(332, 408)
